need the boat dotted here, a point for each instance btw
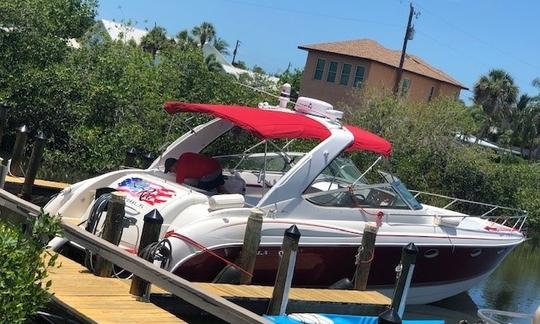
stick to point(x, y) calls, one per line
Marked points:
point(319, 190)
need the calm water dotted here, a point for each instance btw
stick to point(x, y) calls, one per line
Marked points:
point(514, 287)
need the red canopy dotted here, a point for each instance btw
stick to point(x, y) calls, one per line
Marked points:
point(367, 141)
point(280, 124)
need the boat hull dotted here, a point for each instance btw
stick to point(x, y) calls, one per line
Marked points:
point(440, 272)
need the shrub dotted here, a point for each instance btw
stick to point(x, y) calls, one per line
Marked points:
point(23, 271)
point(428, 157)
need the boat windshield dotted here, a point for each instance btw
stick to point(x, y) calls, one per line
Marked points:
point(341, 184)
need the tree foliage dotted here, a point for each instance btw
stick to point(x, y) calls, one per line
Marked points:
point(428, 157)
point(23, 271)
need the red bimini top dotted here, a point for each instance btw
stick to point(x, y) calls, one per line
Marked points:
point(279, 124)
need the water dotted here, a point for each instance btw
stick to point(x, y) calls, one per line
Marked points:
point(514, 287)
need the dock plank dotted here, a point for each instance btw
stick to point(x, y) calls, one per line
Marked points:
point(299, 294)
point(101, 300)
point(39, 183)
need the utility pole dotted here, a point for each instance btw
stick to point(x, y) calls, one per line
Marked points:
point(409, 34)
point(235, 50)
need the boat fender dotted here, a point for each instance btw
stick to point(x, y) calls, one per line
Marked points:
point(447, 221)
point(217, 202)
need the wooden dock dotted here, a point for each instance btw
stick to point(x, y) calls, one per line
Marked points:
point(93, 299)
point(43, 188)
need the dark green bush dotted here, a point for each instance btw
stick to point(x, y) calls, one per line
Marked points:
point(23, 271)
point(428, 157)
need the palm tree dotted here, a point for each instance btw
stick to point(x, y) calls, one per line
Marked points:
point(155, 40)
point(221, 46)
point(184, 39)
point(495, 93)
point(204, 33)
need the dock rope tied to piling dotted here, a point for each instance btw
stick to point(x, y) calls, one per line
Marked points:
point(201, 247)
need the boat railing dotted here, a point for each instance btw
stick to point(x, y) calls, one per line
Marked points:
point(516, 220)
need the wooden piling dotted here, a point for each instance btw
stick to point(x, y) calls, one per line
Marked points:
point(112, 230)
point(33, 166)
point(365, 256)
point(3, 173)
point(280, 293)
point(150, 234)
point(4, 108)
point(252, 239)
point(148, 159)
point(18, 150)
point(130, 157)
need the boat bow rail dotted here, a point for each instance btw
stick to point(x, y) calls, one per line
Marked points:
point(515, 219)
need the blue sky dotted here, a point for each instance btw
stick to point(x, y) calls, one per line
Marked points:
point(463, 38)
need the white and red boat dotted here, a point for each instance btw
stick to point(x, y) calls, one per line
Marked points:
point(320, 191)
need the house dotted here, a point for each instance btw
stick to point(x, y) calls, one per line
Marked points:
point(208, 50)
point(333, 70)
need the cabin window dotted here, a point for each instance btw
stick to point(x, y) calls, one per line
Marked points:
point(332, 71)
point(405, 86)
point(319, 69)
point(345, 74)
point(359, 76)
point(430, 96)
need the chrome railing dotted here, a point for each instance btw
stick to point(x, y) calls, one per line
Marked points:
point(515, 221)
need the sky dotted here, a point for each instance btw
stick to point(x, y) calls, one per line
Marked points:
point(464, 38)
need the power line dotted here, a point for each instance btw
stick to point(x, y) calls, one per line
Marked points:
point(314, 14)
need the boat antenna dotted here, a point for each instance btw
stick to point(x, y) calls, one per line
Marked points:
point(367, 170)
point(270, 94)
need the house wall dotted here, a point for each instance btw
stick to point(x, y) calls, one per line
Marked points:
point(377, 76)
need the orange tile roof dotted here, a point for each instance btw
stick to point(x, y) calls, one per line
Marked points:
point(371, 50)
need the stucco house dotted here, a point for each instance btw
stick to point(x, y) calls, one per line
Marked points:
point(333, 70)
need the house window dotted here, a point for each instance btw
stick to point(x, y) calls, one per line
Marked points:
point(405, 85)
point(359, 76)
point(332, 71)
point(431, 94)
point(319, 69)
point(345, 74)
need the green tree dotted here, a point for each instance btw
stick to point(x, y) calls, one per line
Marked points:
point(212, 64)
point(495, 93)
point(204, 33)
point(221, 46)
point(34, 34)
point(155, 41)
point(184, 39)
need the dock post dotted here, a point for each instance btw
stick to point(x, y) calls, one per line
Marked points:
point(148, 159)
point(150, 234)
point(33, 166)
point(18, 150)
point(131, 153)
point(112, 230)
point(280, 293)
point(3, 173)
point(406, 270)
point(536, 316)
point(365, 256)
point(4, 107)
point(252, 239)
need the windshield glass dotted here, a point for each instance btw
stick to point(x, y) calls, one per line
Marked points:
point(341, 184)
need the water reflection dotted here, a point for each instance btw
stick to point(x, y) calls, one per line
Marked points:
point(513, 287)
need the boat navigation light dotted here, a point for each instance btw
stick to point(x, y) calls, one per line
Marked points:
point(318, 108)
point(285, 95)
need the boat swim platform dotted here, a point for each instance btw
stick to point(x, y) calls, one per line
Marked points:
point(92, 299)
